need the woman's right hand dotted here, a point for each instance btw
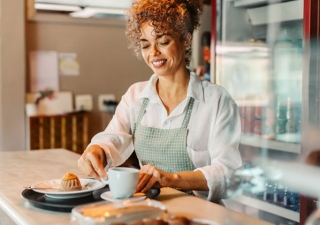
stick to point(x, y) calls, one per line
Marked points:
point(92, 162)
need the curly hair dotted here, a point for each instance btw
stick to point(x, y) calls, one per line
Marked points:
point(178, 18)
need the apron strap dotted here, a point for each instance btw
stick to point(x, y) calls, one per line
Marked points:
point(188, 113)
point(142, 110)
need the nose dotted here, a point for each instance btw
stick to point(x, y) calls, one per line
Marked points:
point(154, 51)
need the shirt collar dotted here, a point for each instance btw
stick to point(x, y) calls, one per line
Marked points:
point(195, 89)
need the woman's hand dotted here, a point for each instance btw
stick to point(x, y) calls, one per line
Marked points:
point(151, 176)
point(93, 161)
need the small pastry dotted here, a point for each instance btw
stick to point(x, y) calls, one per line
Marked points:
point(70, 182)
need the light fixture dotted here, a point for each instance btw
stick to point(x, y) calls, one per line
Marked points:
point(55, 7)
point(85, 8)
point(91, 11)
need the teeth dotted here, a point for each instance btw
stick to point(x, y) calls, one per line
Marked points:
point(157, 63)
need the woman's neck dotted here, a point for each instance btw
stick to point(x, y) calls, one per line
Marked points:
point(173, 90)
point(173, 85)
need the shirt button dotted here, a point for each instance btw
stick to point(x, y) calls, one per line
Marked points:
point(166, 124)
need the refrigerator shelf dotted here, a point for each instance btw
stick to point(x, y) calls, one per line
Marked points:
point(270, 144)
point(265, 206)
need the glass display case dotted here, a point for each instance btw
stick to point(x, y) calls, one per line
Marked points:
point(259, 56)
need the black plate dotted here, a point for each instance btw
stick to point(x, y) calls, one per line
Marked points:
point(40, 200)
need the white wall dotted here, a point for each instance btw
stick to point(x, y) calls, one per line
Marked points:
point(12, 75)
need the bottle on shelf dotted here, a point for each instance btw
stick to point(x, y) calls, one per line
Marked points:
point(257, 121)
point(291, 200)
point(206, 42)
point(242, 113)
point(293, 118)
point(268, 123)
point(288, 121)
point(250, 120)
point(206, 75)
point(268, 192)
point(281, 115)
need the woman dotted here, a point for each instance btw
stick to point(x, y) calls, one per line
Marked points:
point(184, 131)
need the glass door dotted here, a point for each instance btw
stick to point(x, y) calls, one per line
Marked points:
point(258, 58)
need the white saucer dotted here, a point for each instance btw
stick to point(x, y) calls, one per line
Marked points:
point(108, 196)
point(51, 188)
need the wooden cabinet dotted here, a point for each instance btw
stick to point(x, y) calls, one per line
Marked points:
point(69, 131)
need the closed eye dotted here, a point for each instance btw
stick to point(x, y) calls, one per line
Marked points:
point(144, 46)
point(164, 43)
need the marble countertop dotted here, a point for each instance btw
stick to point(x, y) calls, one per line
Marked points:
point(24, 168)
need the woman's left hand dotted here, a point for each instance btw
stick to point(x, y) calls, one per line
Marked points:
point(151, 176)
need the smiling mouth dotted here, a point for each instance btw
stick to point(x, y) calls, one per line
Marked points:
point(158, 63)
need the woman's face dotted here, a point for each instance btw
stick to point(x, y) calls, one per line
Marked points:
point(164, 54)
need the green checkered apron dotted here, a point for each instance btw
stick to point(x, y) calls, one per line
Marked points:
point(165, 149)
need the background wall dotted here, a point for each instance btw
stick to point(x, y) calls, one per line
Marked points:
point(12, 75)
point(106, 64)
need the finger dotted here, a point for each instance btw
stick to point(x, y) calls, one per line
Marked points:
point(154, 179)
point(99, 169)
point(143, 181)
point(85, 165)
point(95, 167)
point(145, 175)
point(150, 184)
point(144, 170)
point(94, 175)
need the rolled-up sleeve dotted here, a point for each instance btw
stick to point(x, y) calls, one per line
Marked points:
point(116, 139)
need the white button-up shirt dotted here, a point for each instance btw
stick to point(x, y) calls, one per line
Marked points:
point(213, 130)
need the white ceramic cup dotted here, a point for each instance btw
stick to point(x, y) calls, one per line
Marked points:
point(123, 181)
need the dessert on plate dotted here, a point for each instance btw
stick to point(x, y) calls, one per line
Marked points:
point(70, 182)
